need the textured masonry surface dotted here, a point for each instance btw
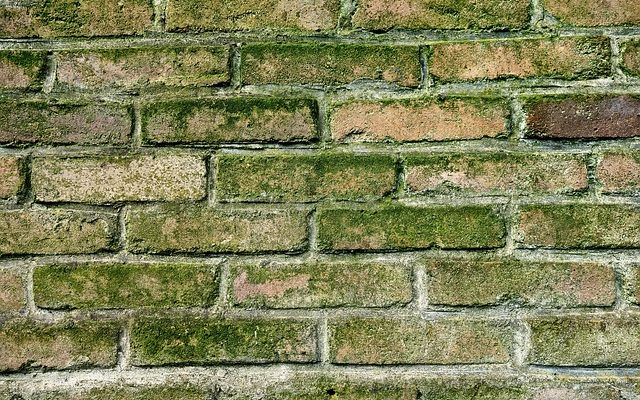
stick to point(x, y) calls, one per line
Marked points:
point(320, 199)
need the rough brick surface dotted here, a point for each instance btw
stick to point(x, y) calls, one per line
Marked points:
point(619, 172)
point(496, 173)
point(299, 178)
point(330, 64)
point(396, 341)
point(22, 69)
point(630, 52)
point(239, 120)
point(163, 177)
point(594, 12)
point(199, 340)
point(117, 286)
point(13, 294)
point(321, 284)
point(418, 120)
point(11, 176)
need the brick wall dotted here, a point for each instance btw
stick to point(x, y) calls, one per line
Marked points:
point(317, 199)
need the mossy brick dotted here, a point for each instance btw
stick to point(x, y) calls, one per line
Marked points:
point(582, 117)
point(109, 179)
point(561, 58)
point(579, 226)
point(29, 345)
point(585, 340)
point(384, 15)
point(22, 69)
point(209, 340)
point(398, 227)
point(329, 64)
point(230, 120)
point(630, 57)
point(496, 173)
point(42, 123)
point(67, 18)
point(619, 171)
point(162, 391)
point(126, 68)
point(320, 284)
point(287, 177)
point(11, 176)
point(12, 291)
point(462, 282)
point(124, 286)
point(56, 231)
point(377, 341)
point(199, 229)
point(587, 13)
point(632, 283)
point(419, 120)
point(238, 15)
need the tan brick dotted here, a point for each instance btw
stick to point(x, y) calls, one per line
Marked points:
point(419, 120)
point(11, 179)
point(630, 54)
point(594, 12)
point(22, 69)
point(12, 291)
point(619, 171)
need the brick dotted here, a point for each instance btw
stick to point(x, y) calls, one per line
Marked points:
point(22, 69)
point(320, 284)
point(56, 231)
point(583, 117)
point(406, 228)
point(586, 340)
point(11, 178)
point(121, 286)
point(232, 120)
point(540, 284)
point(562, 58)
point(198, 229)
point(135, 67)
point(12, 295)
point(28, 345)
point(383, 15)
point(238, 15)
point(594, 12)
point(128, 391)
point(59, 18)
point(377, 341)
point(419, 120)
point(300, 178)
point(202, 340)
point(496, 173)
point(630, 57)
point(108, 179)
point(41, 123)
point(580, 226)
point(619, 172)
point(330, 64)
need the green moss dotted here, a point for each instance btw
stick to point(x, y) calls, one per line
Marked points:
point(31, 63)
point(112, 392)
point(472, 389)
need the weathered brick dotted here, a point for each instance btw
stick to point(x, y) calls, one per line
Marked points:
point(321, 284)
point(131, 67)
point(382, 15)
point(330, 64)
point(405, 228)
point(27, 345)
point(203, 340)
point(12, 293)
point(162, 391)
point(619, 171)
point(239, 119)
point(496, 173)
point(630, 54)
point(41, 123)
point(108, 179)
point(402, 341)
point(585, 340)
point(583, 117)
point(116, 286)
point(238, 15)
point(56, 231)
point(198, 229)
point(11, 179)
point(295, 177)
point(22, 69)
point(419, 120)
point(565, 58)
point(580, 226)
point(541, 284)
point(56, 18)
point(594, 12)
